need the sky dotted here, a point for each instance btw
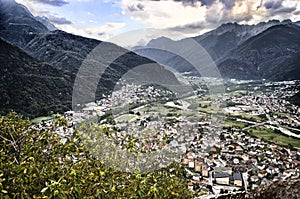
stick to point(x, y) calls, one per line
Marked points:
point(104, 19)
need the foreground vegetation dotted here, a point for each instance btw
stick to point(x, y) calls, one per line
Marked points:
point(35, 162)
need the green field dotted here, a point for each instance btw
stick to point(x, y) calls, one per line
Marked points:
point(277, 138)
point(43, 118)
point(235, 124)
point(125, 117)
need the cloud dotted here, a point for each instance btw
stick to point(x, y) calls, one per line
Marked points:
point(105, 28)
point(273, 5)
point(57, 3)
point(100, 32)
point(197, 16)
point(58, 20)
point(136, 7)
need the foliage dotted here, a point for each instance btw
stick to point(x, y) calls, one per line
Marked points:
point(37, 162)
point(30, 87)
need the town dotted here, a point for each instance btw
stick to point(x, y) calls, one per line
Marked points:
point(254, 141)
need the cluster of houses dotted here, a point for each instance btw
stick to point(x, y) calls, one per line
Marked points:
point(217, 159)
point(237, 161)
point(273, 103)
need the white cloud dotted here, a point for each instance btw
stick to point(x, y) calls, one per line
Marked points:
point(100, 32)
point(106, 28)
point(194, 17)
point(162, 14)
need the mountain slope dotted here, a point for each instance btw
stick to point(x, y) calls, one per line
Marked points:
point(17, 24)
point(240, 51)
point(67, 51)
point(272, 54)
point(30, 87)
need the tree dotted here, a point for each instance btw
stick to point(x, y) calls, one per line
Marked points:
point(36, 162)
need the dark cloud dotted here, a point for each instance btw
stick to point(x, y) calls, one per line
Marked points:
point(207, 2)
point(192, 2)
point(228, 3)
point(189, 27)
point(57, 3)
point(276, 8)
point(136, 7)
point(59, 20)
point(260, 5)
point(273, 5)
point(284, 10)
point(297, 13)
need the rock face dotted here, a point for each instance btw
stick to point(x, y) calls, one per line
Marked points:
point(277, 190)
point(263, 51)
point(30, 87)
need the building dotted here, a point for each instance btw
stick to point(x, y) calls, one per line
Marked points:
point(227, 170)
point(204, 170)
point(237, 179)
point(198, 166)
point(222, 178)
point(191, 164)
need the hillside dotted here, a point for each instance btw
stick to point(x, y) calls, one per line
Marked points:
point(272, 54)
point(29, 86)
point(268, 50)
point(66, 51)
point(17, 24)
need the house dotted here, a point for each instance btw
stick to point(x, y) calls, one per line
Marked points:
point(265, 181)
point(222, 178)
point(237, 179)
point(185, 161)
point(191, 185)
point(254, 178)
point(196, 178)
point(198, 166)
point(191, 164)
point(262, 173)
point(204, 170)
point(223, 170)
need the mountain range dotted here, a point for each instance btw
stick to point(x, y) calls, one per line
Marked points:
point(41, 43)
point(269, 50)
point(39, 63)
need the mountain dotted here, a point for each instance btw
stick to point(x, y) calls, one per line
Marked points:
point(225, 45)
point(219, 42)
point(295, 99)
point(273, 54)
point(29, 86)
point(17, 24)
point(46, 22)
point(67, 52)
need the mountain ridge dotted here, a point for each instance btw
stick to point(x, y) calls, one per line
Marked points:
point(66, 52)
point(223, 45)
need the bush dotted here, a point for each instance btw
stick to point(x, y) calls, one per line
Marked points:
point(35, 162)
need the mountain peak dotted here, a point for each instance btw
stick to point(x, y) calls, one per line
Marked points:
point(46, 22)
point(18, 25)
point(160, 41)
